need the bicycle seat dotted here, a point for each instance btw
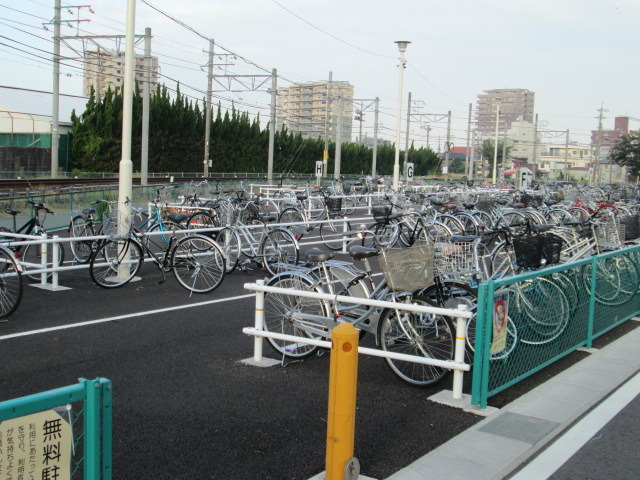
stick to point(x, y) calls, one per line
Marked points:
point(301, 197)
point(463, 238)
point(315, 255)
point(358, 253)
point(517, 205)
point(214, 192)
point(501, 201)
point(548, 203)
point(468, 205)
point(436, 202)
point(450, 206)
point(177, 217)
point(267, 218)
point(88, 211)
point(541, 228)
point(11, 211)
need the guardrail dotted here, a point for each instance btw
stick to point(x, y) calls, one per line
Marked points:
point(461, 315)
point(590, 297)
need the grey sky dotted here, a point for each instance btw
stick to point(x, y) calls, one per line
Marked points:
point(575, 55)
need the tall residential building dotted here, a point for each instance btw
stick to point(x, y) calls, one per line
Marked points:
point(302, 107)
point(105, 68)
point(516, 104)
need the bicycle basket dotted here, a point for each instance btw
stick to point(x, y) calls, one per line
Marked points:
point(381, 214)
point(551, 248)
point(632, 226)
point(610, 235)
point(117, 224)
point(459, 260)
point(334, 205)
point(529, 250)
point(408, 269)
point(247, 214)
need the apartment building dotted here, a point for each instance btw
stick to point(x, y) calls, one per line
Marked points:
point(559, 161)
point(303, 108)
point(105, 68)
point(516, 105)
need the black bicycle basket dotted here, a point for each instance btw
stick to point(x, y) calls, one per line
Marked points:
point(529, 250)
point(334, 205)
point(551, 248)
point(381, 214)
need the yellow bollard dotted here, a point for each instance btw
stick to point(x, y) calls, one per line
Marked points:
point(341, 419)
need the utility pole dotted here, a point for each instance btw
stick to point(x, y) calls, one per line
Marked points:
point(272, 124)
point(566, 155)
point(361, 118)
point(504, 155)
point(596, 166)
point(467, 160)
point(495, 147)
point(55, 120)
point(338, 155)
point(472, 163)
point(144, 150)
point(535, 145)
point(406, 143)
point(375, 139)
point(327, 128)
point(209, 113)
point(448, 146)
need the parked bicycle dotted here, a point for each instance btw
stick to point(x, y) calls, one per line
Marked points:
point(32, 254)
point(196, 261)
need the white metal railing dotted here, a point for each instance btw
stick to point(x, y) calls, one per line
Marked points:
point(461, 314)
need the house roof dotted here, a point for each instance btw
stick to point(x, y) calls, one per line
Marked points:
point(40, 104)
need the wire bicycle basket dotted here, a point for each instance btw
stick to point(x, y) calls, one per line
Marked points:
point(334, 205)
point(460, 260)
point(408, 269)
point(117, 224)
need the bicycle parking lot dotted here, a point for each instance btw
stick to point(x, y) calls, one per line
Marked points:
point(146, 319)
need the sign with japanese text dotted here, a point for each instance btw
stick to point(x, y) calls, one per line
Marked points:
point(36, 446)
point(500, 323)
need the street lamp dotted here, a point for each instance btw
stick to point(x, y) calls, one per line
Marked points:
point(402, 46)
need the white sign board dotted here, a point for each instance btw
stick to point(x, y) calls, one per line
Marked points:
point(319, 168)
point(409, 172)
point(36, 446)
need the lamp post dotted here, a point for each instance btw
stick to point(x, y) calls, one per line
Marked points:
point(402, 46)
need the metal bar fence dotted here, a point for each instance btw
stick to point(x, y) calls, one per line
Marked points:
point(89, 407)
point(552, 313)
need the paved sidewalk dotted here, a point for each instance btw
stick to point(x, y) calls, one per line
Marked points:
point(503, 441)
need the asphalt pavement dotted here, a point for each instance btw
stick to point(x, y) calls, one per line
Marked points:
point(186, 407)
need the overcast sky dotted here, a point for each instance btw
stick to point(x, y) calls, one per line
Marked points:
point(576, 55)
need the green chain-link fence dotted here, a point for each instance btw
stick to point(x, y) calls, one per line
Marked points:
point(551, 313)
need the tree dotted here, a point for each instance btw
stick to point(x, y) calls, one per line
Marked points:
point(627, 152)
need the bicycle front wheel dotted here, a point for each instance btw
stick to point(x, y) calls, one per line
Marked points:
point(78, 228)
point(293, 315)
point(198, 263)
point(33, 254)
point(415, 333)
point(115, 263)
point(229, 241)
point(332, 234)
point(279, 249)
point(10, 283)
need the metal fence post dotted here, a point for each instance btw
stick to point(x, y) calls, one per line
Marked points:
point(92, 429)
point(592, 301)
point(461, 340)
point(55, 256)
point(43, 258)
point(259, 323)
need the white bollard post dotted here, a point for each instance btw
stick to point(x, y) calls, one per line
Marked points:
point(344, 237)
point(43, 259)
point(259, 324)
point(55, 255)
point(461, 340)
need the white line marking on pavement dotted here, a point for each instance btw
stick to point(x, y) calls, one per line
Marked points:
point(121, 317)
point(557, 454)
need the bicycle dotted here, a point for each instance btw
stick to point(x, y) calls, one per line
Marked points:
point(406, 270)
point(86, 223)
point(196, 261)
point(275, 248)
point(10, 282)
point(31, 254)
